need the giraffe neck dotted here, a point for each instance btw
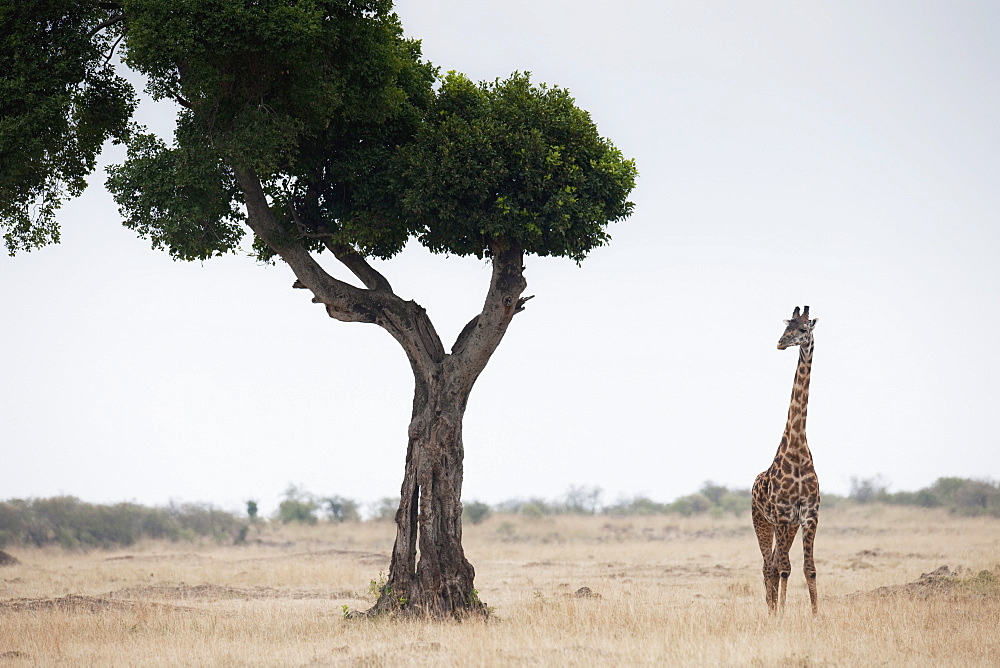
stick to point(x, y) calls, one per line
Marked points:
point(795, 427)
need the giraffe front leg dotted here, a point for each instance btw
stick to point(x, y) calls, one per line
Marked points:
point(771, 580)
point(765, 539)
point(784, 536)
point(771, 584)
point(809, 525)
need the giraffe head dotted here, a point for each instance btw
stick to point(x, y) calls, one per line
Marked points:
point(799, 329)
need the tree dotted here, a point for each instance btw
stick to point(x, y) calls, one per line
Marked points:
point(868, 490)
point(316, 126)
point(298, 506)
point(339, 509)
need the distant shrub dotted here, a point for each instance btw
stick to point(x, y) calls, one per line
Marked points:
point(476, 511)
point(384, 509)
point(510, 506)
point(582, 500)
point(203, 519)
point(693, 504)
point(535, 509)
point(339, 509)
point(74, 524)
point(968, 497)
point(298, 506)
point(724, 500)
point(714, 493)
point(830, 500)
point(869, 490)
point(294, 510)
point(963, 496)
point(711, 498)
point(639, 505)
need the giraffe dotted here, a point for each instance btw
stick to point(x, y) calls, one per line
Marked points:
point(786, 495)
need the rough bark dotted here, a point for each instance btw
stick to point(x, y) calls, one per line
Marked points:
point(428, 574)
point(429, 519)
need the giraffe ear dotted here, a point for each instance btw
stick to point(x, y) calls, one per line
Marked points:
point(812, 323)
point(787, 322)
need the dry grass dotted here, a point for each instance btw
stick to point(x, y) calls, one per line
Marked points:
point(666, 591)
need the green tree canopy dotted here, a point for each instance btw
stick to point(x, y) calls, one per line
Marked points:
point(515, 161)
point(313, 97)
point(316, 126)
point(60, 100)
point(329, 106)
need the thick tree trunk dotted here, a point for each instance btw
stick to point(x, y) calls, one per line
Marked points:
point(429, 574)
point(429, 519)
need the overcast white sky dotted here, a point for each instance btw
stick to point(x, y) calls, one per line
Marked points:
point(843, 155)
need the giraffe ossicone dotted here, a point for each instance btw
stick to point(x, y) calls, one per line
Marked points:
point(786, 495)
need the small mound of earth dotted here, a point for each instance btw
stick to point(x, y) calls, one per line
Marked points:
point(14, 654)
point(7, 560)
point(943, 581)
point(585, 592)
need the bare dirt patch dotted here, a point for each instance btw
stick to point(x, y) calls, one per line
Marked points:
point(185, 557)
point(212, 592)
point(76, 603)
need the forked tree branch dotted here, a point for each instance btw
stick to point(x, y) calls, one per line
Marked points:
point(406, 321)
point(339, 297)
point(359, 266)
point(347, 255)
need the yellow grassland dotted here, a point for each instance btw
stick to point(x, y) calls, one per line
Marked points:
point(666, 590)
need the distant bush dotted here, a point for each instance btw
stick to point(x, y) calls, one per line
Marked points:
point(476, 511)
point(963, 496)
point(74, 524)
point(201, 519)
point(869, 490)
point(974, 497)
point(692, 504)
point(339, 509)
point(582, 500)
point(298, 506)
point(71, 523)
point(534, 507)
point(711, 498)
point(384, 509)
point(638, 505)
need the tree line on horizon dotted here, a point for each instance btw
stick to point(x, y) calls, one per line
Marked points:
point(70, 523)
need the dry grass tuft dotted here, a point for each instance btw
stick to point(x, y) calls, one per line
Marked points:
point(565, 591)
